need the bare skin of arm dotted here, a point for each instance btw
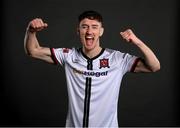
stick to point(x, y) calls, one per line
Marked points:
point(33, 48)
point(150, 63)
point(31, 44)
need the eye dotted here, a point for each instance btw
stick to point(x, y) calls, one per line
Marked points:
point(84, 27)
point(95, 27)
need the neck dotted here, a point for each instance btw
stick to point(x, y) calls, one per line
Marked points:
point(92, 53)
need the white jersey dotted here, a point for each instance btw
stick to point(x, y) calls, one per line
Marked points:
point(93, 85)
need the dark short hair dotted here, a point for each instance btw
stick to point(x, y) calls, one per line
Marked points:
point(92, 15)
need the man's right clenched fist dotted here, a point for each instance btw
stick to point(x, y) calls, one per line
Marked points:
point(36, 25)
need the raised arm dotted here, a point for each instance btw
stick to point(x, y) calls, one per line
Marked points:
point(31, 44)
point(150, 63)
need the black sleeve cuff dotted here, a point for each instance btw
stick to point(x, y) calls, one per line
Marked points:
point(53, 56)
point(135, 64)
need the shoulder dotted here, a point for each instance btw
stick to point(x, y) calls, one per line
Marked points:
point(115, 53)
point(65, 50)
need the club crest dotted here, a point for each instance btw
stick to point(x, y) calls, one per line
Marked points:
point(104, 63)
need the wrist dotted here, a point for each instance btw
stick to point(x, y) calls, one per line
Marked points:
point(137, 41)
point(30, 31)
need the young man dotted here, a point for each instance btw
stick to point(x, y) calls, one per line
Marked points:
point(93, 73)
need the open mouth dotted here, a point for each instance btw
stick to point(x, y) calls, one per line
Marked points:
point(89, 40)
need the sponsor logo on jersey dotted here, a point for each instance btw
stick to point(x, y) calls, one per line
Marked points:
point(91, 73)
point(104, 63)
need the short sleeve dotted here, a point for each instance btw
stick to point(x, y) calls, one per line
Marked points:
point(59, 55)
point(128, 62)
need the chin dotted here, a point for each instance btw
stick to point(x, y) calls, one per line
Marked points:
point(89, 48)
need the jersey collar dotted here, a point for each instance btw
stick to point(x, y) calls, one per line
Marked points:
point(85, 56)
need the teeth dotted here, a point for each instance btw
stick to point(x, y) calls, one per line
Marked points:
point(89, 37)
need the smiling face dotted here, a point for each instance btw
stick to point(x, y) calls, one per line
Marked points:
point(90, 31)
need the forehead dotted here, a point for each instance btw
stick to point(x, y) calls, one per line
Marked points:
point(87, 21)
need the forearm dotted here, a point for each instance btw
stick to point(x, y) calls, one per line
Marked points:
point(30, 42)
point(150, 58)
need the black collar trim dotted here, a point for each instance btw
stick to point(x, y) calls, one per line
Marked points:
point(85, 56)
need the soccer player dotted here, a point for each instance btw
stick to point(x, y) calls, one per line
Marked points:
point(93, 73)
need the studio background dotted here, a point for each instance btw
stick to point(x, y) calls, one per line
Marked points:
point(34, 93)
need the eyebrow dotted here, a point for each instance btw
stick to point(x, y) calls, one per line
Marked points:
point(94, 25)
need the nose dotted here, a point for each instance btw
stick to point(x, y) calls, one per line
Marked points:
point(89, 30)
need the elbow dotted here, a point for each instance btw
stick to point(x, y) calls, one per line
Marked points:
point(156, 68)
point(30, 52)
point(26, 51)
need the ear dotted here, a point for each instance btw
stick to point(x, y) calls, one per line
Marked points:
point(77, 30)
point(101, 31)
